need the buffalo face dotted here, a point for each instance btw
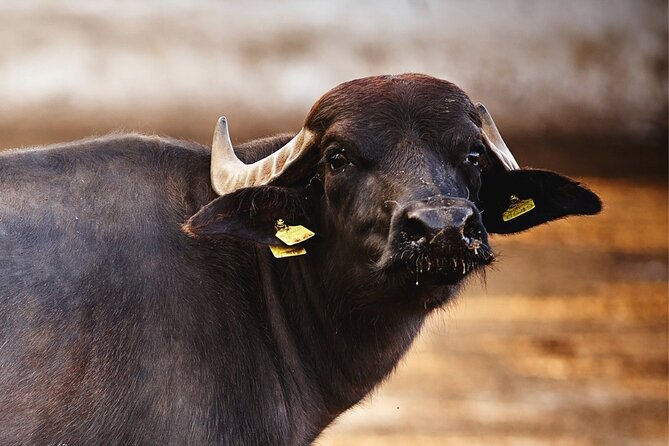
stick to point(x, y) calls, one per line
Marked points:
point(402, 178)
point(400, 172)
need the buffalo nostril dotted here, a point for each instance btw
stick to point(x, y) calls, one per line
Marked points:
point(459, 217)
point(424, 223)
point(454, 223)
point(415, 229)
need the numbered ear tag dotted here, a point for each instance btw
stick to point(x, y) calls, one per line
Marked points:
point(291, 235)
point(517, 207)
point(286, 251)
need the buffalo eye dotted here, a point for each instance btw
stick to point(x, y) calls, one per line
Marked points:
point(473, 157)
point(475, 154)
point(337, 160)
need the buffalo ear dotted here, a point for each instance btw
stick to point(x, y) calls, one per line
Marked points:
point(248, 214)
point(554, 196)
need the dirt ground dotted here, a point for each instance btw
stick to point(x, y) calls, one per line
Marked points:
point(565, 344)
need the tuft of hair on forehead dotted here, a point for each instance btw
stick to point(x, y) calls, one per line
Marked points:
point(405, 97)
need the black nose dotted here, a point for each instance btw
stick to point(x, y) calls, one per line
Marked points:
point(456, 224)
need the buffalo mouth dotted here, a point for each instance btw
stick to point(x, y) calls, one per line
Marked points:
point(426, 264)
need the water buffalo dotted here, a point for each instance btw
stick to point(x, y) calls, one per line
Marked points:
point(140, 304)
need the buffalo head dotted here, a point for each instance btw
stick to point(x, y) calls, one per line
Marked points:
point(401, 177)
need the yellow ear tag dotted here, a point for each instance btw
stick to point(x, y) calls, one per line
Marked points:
point(291, 235)
point(517, 207)
point(286, 251)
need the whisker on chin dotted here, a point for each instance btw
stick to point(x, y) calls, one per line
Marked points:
point(413, 262)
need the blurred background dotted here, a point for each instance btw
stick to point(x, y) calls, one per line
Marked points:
point(566, 343)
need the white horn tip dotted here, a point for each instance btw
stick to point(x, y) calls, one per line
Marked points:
point(221, 128)
point(222, 135)
point(497, 145)
point(483, 112)
point(222, 154)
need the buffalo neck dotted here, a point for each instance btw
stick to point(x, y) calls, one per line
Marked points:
point(336, 350)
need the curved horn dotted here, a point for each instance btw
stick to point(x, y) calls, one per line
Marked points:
point(494, 139)
point(229, 173)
